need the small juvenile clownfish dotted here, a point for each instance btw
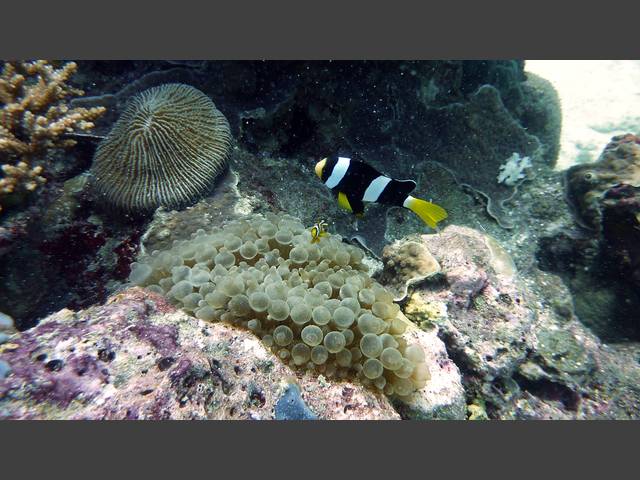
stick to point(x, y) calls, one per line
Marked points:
point(356, 182)
point(318, 231)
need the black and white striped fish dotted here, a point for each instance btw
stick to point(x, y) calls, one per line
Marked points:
point(318, 231)
point(356, 182)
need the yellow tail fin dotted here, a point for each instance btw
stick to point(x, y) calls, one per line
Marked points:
point(430, 213)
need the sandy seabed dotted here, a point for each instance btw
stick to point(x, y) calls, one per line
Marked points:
point(599, 99)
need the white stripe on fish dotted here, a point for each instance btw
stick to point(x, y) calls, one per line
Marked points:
point(338, 173)
point(375, 188)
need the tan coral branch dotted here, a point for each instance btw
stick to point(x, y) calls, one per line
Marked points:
point(35, 117)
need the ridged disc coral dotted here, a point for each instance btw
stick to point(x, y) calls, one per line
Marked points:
point(166, 149)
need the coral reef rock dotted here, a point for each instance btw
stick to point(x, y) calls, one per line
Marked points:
point(469, 116)
point(457, 101)
point(621, 230)
point(496, 135)
point(488, 325)
point(521, 356)
point(167, 148)
point(586, 184)
point(137, 357)
point(406, 263)
point(604, 257)
point(443, 398)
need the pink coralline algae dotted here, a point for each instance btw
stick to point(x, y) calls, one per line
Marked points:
point(137, 357)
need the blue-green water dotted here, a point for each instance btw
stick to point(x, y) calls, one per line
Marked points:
point(534, 297)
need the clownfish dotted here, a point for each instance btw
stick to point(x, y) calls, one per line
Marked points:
point(355, 183)
point(318, 231)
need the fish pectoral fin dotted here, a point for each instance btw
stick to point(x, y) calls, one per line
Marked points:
point(351, 204)
point(343, 202)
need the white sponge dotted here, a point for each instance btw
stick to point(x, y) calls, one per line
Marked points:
point(513, 169)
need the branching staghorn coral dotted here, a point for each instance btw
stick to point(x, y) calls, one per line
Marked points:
point(34, 117)
point(20, 175)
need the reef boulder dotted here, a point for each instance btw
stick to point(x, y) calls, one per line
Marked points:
point(137, 357)
point(605, 198)
point(477, 304)
point(522, 352)
point(621, 229)
point(586, 184)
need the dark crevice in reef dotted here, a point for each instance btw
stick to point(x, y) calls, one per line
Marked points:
point(456, 355)
point(597, 255)
point(604, 300)
point(76, 260)
point(550, 391)
point(301, 128)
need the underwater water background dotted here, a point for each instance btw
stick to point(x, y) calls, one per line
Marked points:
point(524, 299)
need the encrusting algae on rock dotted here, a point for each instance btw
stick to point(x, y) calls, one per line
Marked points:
point(425, 313)
point(312, 304)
